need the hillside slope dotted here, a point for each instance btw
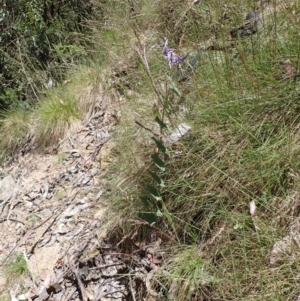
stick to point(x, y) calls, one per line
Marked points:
point(197, 115)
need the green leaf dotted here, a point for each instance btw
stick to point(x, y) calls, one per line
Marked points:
point(145, 201)
point(173, 87)
point(160, 146)
point(154, 192)
point(161, 123)
point(157, 179)
point(159, 213)
point(158, 162)
point(149, 217)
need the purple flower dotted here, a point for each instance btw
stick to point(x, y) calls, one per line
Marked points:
point(170, 54)
point(173, 58)
point(200, 244)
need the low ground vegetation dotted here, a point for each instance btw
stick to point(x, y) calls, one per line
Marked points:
point(226, 192)
point(241, 153)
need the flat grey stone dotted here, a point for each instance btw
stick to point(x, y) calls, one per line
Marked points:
point(7, 186)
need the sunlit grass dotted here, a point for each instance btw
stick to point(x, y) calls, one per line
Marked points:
point(14, 126)
point(242, 148)
point(65, 105)
point(54, 116)
point(17, 267)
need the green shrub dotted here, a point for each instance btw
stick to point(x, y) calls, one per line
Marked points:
point(31, 39)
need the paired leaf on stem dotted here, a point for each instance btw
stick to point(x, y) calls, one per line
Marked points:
point(158, 162)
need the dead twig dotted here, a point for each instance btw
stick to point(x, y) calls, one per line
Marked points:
point(210, 241)
point(23, 240)
point(148, 277)
point(106, 266)
point(147, 129)
point(131, 289)
point(7, 219)
point(68, 294)
point(185, 12)
point(97, 150)
point(80, 284)
point(45, 231)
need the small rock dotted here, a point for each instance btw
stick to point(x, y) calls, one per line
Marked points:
point(32, 195)
point(7, 186)
point(73, 169)
point(62, 229)
point(28, 204)
point(176, 134)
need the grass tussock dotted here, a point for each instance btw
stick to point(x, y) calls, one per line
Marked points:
point(65, 105)
point(15, 125)
point(54, 116)
point(16, 269)
point(15, 273)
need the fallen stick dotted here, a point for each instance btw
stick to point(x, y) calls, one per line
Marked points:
point(23, 240)
point(147, 129)
point(106, 266)
point(80, 284)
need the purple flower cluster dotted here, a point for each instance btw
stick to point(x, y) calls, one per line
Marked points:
point(170, 54)
point(173, 58)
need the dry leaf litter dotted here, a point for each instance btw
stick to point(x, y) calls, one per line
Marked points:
point(52, 209)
